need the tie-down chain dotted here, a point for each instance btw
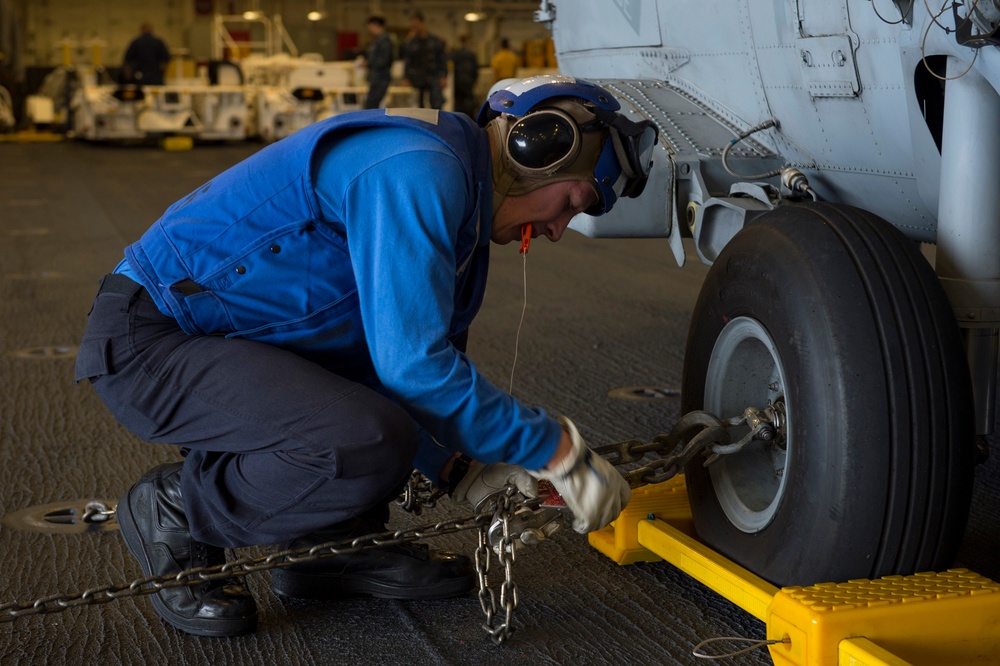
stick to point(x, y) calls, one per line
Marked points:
point(506, 521)
point(695, 433)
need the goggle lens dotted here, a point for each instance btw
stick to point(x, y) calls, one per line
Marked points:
point(541, 140)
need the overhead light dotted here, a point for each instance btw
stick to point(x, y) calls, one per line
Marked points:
point(318, 12)
point(476, 13)
point(254, 13)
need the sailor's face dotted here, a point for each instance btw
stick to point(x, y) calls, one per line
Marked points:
point(547, 209)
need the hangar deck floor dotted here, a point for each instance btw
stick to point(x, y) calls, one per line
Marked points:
point(600, 315)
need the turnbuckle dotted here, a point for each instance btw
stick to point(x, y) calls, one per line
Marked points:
point(527, 527)
point(532, 520)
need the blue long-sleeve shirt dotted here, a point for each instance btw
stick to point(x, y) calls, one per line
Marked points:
point(383, 233)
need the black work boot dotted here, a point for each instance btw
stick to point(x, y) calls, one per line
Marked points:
point(152, 522)
point(404, 571)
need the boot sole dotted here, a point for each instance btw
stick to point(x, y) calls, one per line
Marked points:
point(198, 627)
point(298, 585)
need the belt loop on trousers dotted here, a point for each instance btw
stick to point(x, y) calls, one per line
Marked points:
point(115, 283)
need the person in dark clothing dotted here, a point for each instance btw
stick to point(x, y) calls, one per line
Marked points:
point(146, 59)
point(426, 64)
point(379, 61)
point(465, 70)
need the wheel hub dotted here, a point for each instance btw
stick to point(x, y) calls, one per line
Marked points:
point(745, 369)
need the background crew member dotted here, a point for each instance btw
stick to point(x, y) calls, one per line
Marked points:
point(146, 58)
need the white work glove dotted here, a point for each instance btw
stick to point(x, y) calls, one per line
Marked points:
point(481, 481)
point(591, 487)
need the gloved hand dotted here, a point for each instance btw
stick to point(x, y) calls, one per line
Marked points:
point(591, 487)
point(481, 481)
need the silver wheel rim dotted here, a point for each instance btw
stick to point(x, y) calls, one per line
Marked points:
point(746, 371)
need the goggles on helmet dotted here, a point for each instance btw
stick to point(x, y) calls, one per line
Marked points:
point(544, 141)
point(548, 140)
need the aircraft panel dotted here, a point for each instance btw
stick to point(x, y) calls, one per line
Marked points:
point(622, 23)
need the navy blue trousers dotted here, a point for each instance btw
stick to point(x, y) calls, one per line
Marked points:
point(278, 446)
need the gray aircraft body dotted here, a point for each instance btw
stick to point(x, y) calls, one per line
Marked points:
point(836, 162)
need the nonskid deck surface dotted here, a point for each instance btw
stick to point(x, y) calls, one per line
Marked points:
point(601, 315)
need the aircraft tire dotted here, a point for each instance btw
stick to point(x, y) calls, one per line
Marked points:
point(833, 312)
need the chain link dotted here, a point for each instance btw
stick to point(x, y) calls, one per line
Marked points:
point(419, 494)
point(97, 512)
point(694, 433)
point(499, 630)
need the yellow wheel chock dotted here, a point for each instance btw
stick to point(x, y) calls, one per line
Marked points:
point(950, 617)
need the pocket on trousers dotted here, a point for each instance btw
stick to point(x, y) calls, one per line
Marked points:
point(357, 460)
point(341, 462)
point(93, 359)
